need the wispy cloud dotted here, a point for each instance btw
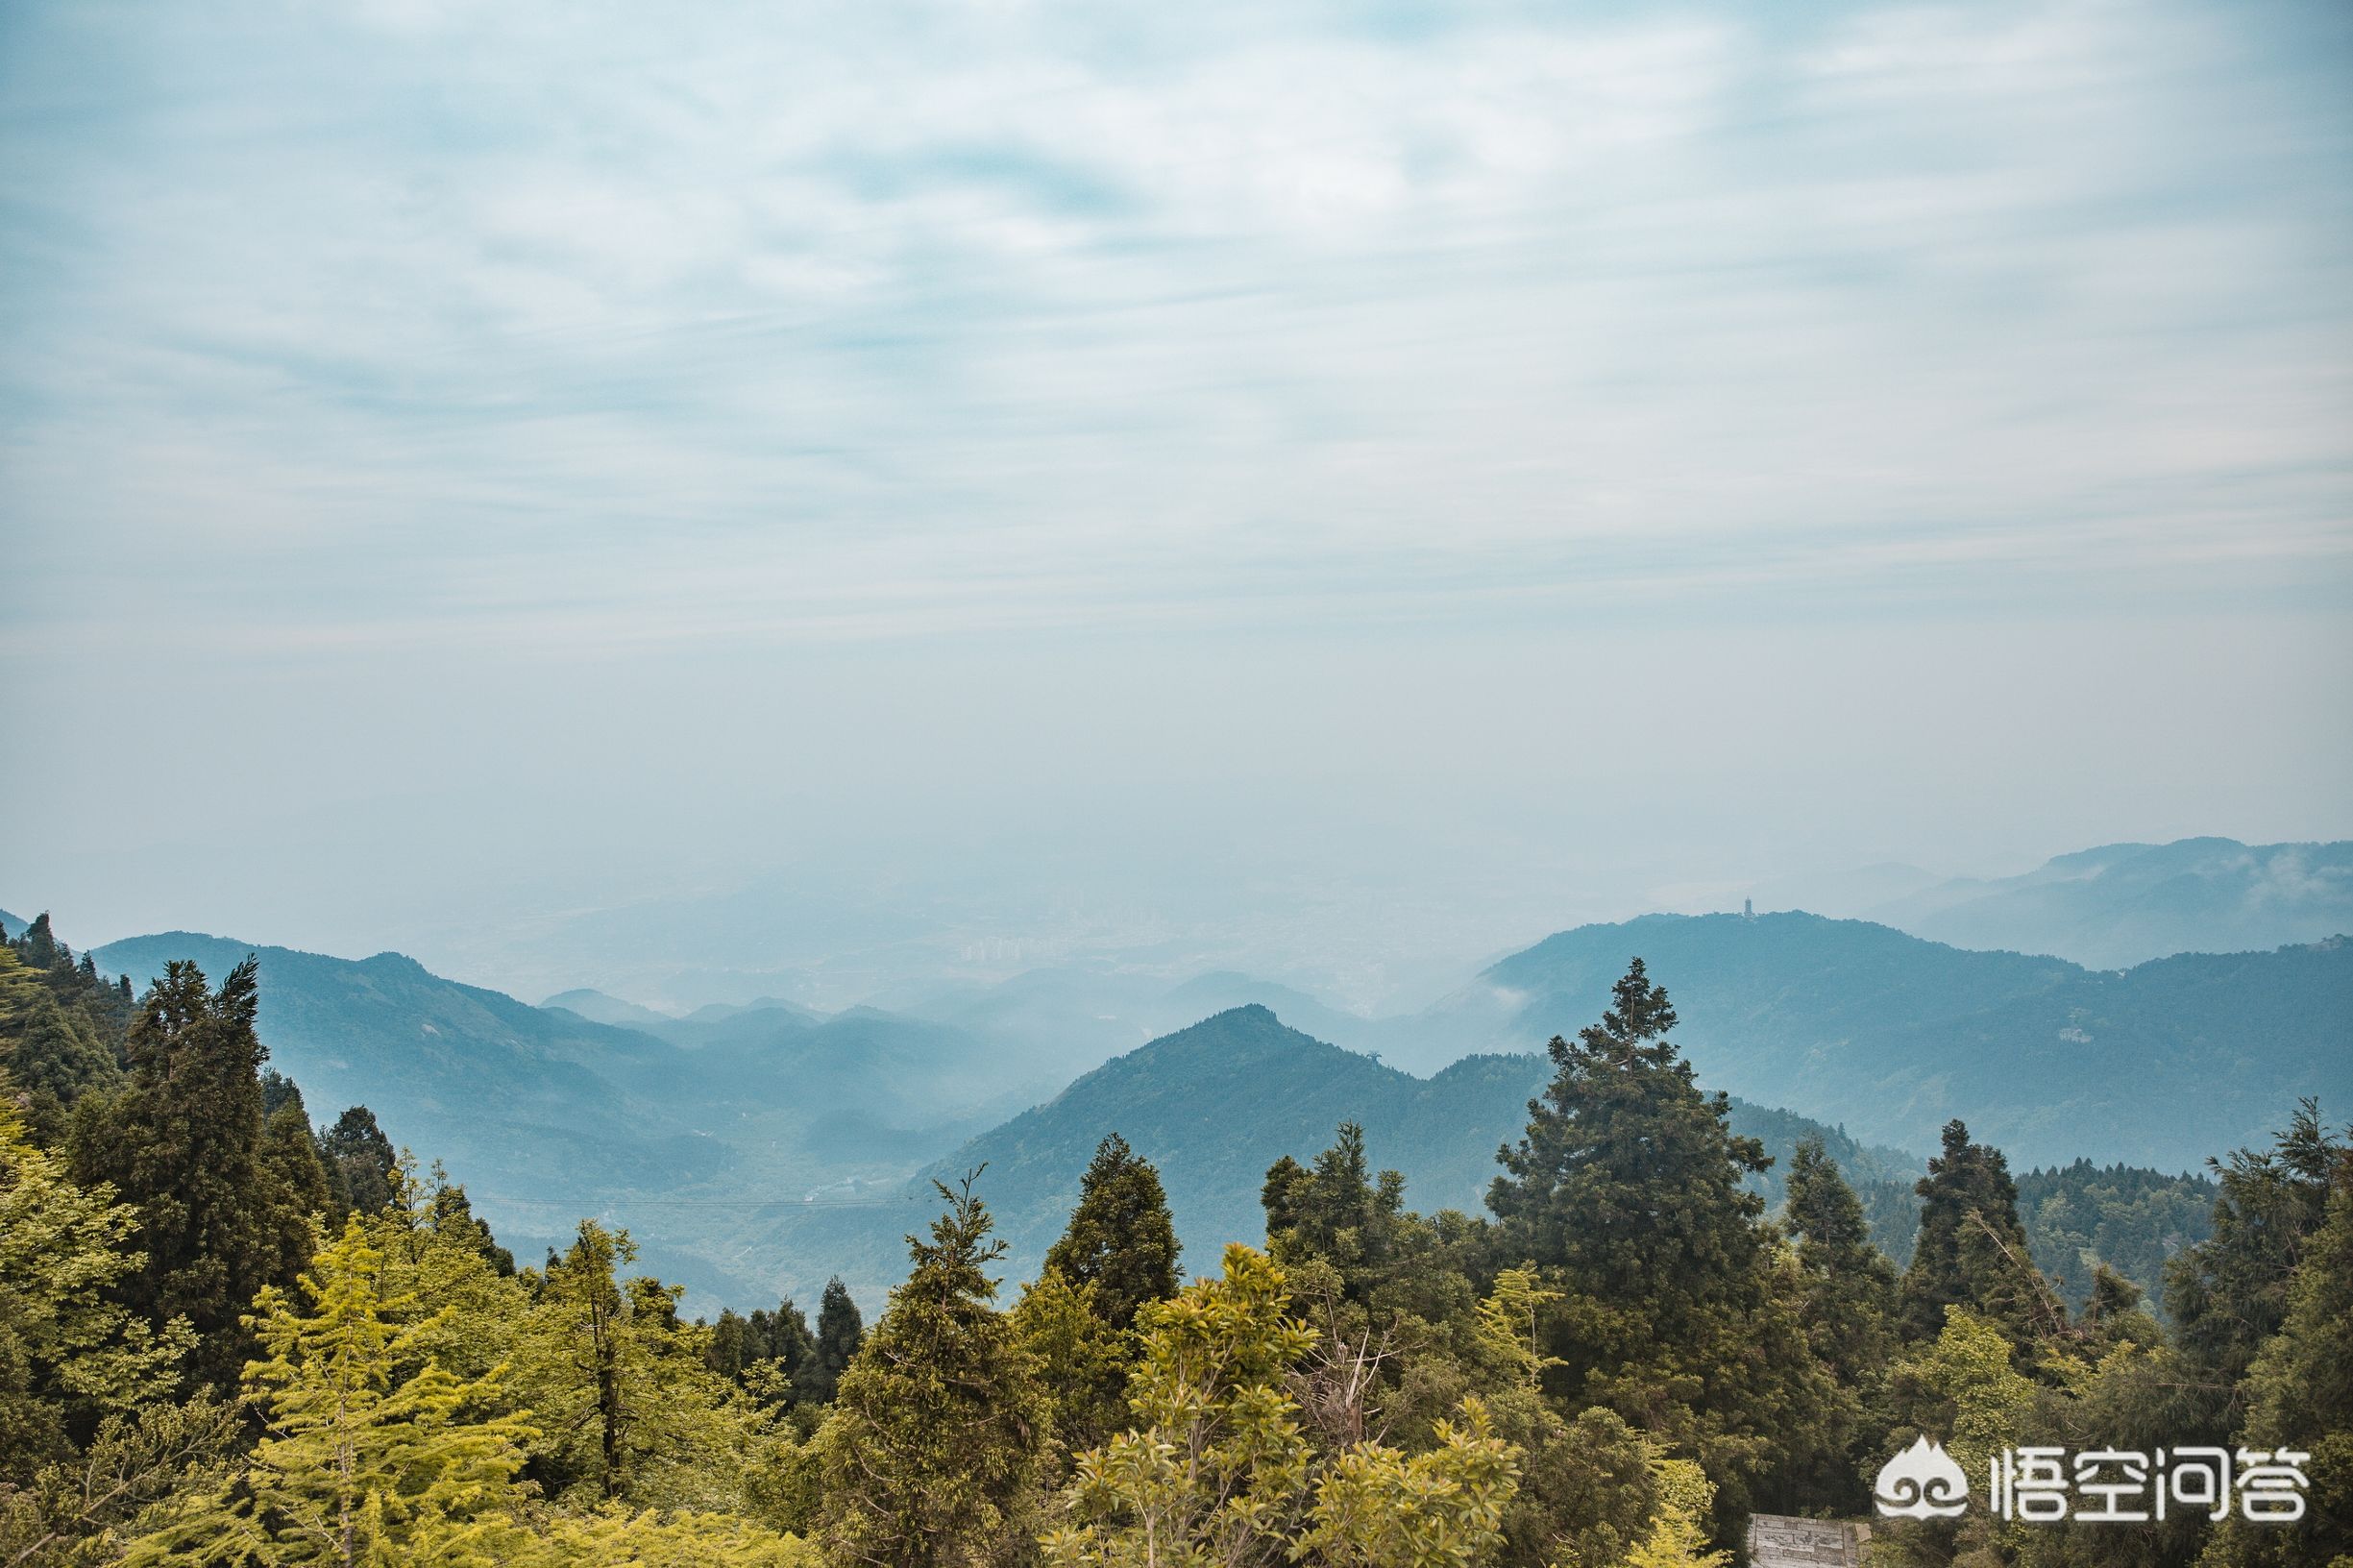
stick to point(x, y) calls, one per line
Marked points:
point(403, 323)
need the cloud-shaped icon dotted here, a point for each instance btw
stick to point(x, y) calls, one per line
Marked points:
point(1923, 1481)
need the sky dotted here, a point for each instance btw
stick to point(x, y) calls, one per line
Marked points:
point(1377, 483)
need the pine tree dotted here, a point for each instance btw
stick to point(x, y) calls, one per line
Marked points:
point(38, 947)
point(2229, 1293)
point(1626, 1196)
point(359, 1161)
point(183, 1141)
point(1120, 1238)
point(622, 1390)
point(1848, 1310)
point(1337, 1212)
point(785, 1341)
point(1972, 1251)
point(840, 1332)
point(1082, 1360)
point(2299, 1392)
point(1628, 1180)
point(355, 1467)
point(581, 1324)
point(289, 1161)
point(55, 1051)
point(934, 1451)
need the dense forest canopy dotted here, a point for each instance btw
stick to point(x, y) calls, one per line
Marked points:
point(237, 1331)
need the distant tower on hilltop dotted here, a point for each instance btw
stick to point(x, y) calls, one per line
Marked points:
point(1748, 909)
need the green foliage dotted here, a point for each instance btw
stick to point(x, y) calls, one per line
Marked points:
point(1216, 1467)
point(81, 1510)
point(1217, 1105)
point(621, 1390)
point(2081, 1217)
point(67, 1351)
point(1964, 1387)
point(2230, 1294)
point(1339, 1212)
point(357, 1466)
point(934, 1449)
point(1120, 1239)
point(764, 1352)
point(841, 1329)
point(185, 1142)
point(60, 1032)
point(1626, 1194)
point(1589, 1493)
point(1848, 1312)
point(1972, 1252)
point(1509, 1324)
point(616, 1539)
point(1082, 1360)
point(1679, 1535)
point(1607, 1376)
point(2299, 1392)
point(359, 1161)
point(1377, 1507)
point(1220, 1470)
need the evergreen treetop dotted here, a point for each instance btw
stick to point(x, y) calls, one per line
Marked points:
point(1120, 1238)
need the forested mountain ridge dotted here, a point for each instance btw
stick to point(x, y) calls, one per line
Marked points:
point(546, 1113)
point(1891, 1036)
point(1215, 1105)
point(518, 1097)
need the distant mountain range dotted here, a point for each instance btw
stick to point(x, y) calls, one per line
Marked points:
point(2118, 905)
point(759, 1147)
point(548, 1115)
point(598, 1008)
point(2161, 1064)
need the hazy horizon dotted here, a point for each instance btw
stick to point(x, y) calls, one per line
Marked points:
point(1350, 495)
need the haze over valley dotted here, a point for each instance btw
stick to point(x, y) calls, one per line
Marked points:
point(760, 1147)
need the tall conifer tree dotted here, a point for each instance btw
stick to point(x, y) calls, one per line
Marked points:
point(840, 1331)
point(1972, 1251)
point(185, 1142)
point(1626, 1195)
point(935, 1450)
point(1120, 1238)
point(359, 1161)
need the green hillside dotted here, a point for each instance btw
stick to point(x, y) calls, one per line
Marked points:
point(516, 1097)
point(2159, 1065)
point(2080, 1216)
point(1215, 1104)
